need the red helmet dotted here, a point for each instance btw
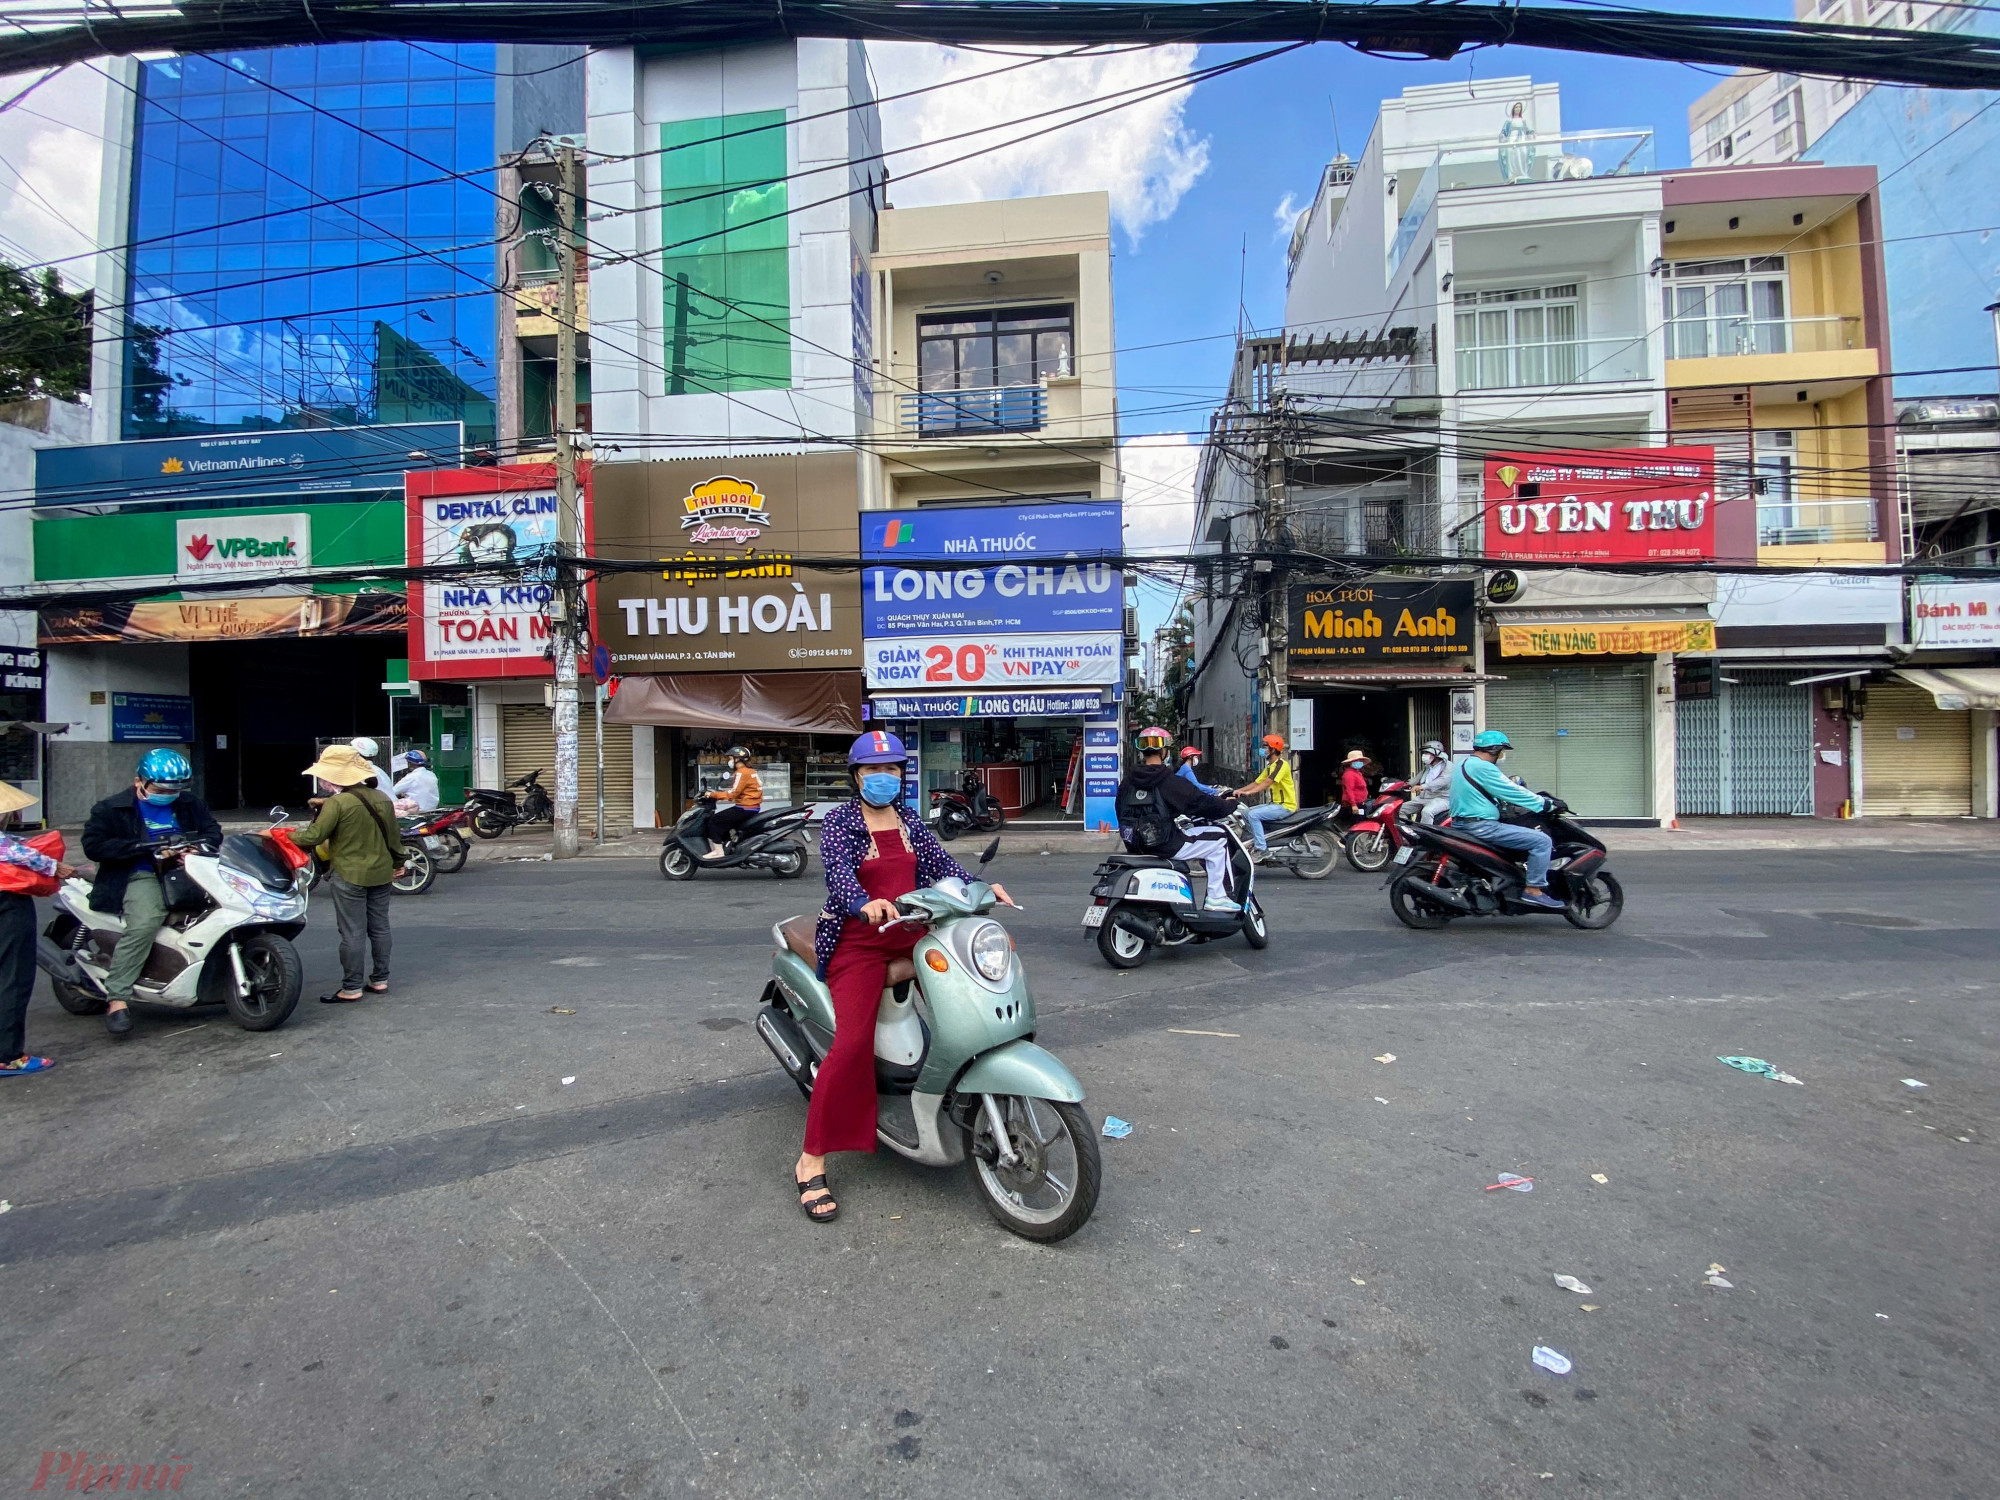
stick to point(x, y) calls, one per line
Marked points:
point(1190, 752)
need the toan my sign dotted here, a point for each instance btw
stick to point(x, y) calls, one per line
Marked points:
point(1609, 505)
point(481, 625)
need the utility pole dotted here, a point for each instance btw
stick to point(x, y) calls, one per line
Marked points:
point(566, 601)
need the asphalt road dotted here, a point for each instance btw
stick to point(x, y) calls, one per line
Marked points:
point(387, 1251)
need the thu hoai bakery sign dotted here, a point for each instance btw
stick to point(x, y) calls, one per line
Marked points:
point(1380, 619)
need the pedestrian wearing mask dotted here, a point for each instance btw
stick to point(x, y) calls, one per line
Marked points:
point(1354, 780)
point(120, 835)
point(355, 829)
point(17, 942)
point(1432, 792)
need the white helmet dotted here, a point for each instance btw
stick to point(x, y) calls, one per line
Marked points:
point(368, 748)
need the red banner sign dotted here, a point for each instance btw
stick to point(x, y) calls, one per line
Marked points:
point(1614, 505)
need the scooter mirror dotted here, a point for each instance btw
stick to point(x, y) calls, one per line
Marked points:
point(277, 814)
point(992, 850)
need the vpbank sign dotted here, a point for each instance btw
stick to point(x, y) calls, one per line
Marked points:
point(241, 546)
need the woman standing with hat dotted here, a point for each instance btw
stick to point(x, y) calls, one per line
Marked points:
point(357, 825)
point(17, 943)
point(874, 850)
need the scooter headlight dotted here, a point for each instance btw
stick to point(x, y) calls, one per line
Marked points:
point(991, 952)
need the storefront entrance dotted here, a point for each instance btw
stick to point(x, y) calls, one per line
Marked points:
point(528, 743)
point(795, 768)
point(1584, 733)
point(1743, 742)
point(1916, 757)
point(1033, 765)
point(1389, 725)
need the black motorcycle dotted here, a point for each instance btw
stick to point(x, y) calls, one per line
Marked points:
point(1446, 873)
point(1305, 842)
point(971, 809)
point(494, 812)
point(773, 839)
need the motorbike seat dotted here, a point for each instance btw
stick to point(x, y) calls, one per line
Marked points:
point(798, 935)
point(1304, 817)
point(761, 819)
point(1143, 862)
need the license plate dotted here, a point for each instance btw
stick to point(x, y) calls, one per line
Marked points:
point(1095, 916)
point(1403, 854)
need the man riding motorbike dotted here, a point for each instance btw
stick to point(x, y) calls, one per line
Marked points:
point(1276, 778)
point(118, 835)
point(1191, 771)
point(745, 794)
point(1180, 798)
point(1432, 791)
point(419, 786)
point(1477, 790)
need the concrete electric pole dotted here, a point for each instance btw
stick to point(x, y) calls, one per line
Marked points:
point(566, 601)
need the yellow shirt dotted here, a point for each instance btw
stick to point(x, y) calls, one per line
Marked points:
point(1284, 790)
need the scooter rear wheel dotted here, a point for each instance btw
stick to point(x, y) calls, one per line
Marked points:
point(489, 825)
point(676, 863)
point(789, 863)
point(1323, 856)
point(1052, 1192)
point(456, 848)
point(77, 1000)
point(1412, 910)
point(419, 871)
point(1121, 947)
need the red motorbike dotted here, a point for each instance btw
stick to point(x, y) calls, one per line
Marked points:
point(1371, 838)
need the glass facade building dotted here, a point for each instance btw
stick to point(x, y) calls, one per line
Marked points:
point(305, 252)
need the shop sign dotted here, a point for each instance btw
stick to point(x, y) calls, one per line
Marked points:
point(1380, 619)
point(1623, 639)
point(988, 705)
point(21, 669)
point(310, 615)
point(727, 594)
point(1615, 505)
point(487, 619)
point(159, 718)
point(917, 662)
point(290, 461)
point(1027, 569)
point(1955, 614)
point(226, 546)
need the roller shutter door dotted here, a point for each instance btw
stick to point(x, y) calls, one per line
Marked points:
point(1583, 733)
point(528, 743)
point(1747, 750)
point(1916, 759)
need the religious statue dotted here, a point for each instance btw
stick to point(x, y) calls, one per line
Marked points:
point(1517, 152)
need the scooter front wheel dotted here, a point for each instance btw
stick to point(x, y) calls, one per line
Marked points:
point(272, 966)
point(1369, 851)
point(1122, 948)
point(455, 847)
point(1256, 931)
point(1051, 1190)
point(676, 863)
point(1598, 904)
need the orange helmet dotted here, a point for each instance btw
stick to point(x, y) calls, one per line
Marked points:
point(1274, 742)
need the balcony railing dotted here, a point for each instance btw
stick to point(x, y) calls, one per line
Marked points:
point(1719, 338)
point(1556, 362)
point(1815, 523)
point(999, 408)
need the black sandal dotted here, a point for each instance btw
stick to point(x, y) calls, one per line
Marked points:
point(812, 1209)
point(339, 999)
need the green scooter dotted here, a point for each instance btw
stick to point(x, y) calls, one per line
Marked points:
point(957, 1076)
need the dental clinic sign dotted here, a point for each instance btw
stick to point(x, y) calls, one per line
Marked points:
point(476, 622)
point(1608, 505)
point(239, 546)
point(993, 596)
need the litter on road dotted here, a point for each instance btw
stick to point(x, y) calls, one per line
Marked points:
point(1713, 1277)
point(1386, 1057)
point(1761, 1068)
point(569, 1080)
point(1571, 1284)
point(1183, 1031)
point(1913, 1083)
point(1599, 1177)
point(1554, 1363)
point(1512, 1183)
point(1116, 1128)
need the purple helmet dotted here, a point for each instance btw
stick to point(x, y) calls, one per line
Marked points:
point(877, 748)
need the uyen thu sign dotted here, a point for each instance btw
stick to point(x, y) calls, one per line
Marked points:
point(1614, 505)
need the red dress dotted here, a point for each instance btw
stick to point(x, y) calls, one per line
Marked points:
point(841, 1113)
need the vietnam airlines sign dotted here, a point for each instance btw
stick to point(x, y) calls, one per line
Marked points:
point(1381, 619)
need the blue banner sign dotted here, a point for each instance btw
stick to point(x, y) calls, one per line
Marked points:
point(1029, 569)
point(158, 718)
point(986, 705)
point(216, 466)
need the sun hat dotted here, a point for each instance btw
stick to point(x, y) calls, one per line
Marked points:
point(13, 799)
point(342, 765)
point(1353, 755)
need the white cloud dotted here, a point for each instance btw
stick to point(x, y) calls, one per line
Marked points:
point(51, 140)
point(1159, 492)
point(1142, 154)
point(1285, 215)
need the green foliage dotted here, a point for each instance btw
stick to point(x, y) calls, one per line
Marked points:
point(44, 336)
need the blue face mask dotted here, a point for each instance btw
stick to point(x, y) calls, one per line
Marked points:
point(162, 799)
point(881, 788)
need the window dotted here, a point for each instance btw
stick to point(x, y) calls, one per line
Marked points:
point(1841, 87)
point(1782, 142)
point(1717, 127)
point(978, 350)
point(1775, 484)
point(1742, 109)
point(1782, 110)
point(1726, 307)
point(726, 261)
point(1521, 336)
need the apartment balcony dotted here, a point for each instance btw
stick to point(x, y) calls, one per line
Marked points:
point(974, 413)
point(537, 304)
point(1562, 362)
point(1817, 532)
point(1741, 350)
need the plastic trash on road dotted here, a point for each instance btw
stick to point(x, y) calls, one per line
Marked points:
point(1386, 1057)
point(1761, 1068)
point(1554, 1363)
point(1116, 1128)
point(1915, 1083)
point(1512, 1183)
point(1571, 1284)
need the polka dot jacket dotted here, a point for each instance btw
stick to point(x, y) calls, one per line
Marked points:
point(843, 845)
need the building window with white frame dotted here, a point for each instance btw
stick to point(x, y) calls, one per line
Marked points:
point(1519, 336)
point(1715, 308)
point(1774, 482)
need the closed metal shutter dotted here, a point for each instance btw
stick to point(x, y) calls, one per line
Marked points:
point(1747, 750)
point(1583, 733)
point(1697, 756)
point(528, 743)
point(1916, 759)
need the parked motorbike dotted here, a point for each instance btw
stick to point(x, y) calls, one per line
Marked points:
point(232, 912)
point(1446, 873)
point(972, 808)
point(439, 831)
point(494, 812)
point(958, 1077)
point(1141, 901)
point(1304, 843)
point(420, 858)
point(773, 840)
point(1369, 841)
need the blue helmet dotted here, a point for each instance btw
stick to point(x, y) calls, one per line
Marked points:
point(165, 768)
point(1491, 739)
point(877, 748)
point(416, 758)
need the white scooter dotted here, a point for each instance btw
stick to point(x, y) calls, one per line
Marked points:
point(231, 916)
point(1143, 900)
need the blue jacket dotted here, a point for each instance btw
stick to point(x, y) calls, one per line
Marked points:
point(1478, 787)
point(1186, 773)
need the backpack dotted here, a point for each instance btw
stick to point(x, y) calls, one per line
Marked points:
point(1145, 821)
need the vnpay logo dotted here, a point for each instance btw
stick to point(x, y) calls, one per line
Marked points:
point(230, 548)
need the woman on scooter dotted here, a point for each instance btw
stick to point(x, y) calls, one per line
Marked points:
point(875, 850)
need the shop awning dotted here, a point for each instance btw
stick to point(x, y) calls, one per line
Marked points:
point(790, 702)
point(1395, 679)
point(1957, 687)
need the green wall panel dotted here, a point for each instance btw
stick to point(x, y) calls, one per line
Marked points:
point(70, 548)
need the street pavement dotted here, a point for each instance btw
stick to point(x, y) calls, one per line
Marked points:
point(389, 1251)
